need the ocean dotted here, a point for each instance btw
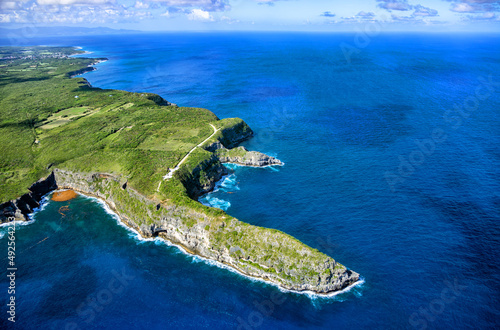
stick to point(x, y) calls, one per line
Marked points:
point(392, 167)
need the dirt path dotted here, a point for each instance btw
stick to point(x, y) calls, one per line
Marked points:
point(172, 171)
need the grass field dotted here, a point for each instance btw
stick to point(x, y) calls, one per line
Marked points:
point(49, 119)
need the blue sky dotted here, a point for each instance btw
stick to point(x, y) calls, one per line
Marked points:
point(286, 15)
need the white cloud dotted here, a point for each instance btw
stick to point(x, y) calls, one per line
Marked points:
point(475, 6)
point(206, 5)
point(68, 14)
point(73, 2)
point(365, 14)
point(141, 5)
point(5, 18)
point(228, 20)
point(165, 14)
point(9, 5)
point(390, 5)
point(424, 11)
point(199, 15)
point(462, 8)
point(489, 16)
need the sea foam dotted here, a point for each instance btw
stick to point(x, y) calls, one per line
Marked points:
point(134, 234)
point(215, 202)
point(227, 184)
point(43, 203)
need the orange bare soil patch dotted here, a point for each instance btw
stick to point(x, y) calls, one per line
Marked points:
point(62, 196)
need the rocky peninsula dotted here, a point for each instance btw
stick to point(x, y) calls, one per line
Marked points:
point(127, 141)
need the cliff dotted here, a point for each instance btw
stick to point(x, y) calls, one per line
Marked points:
point(119, 146)
point(89, 68)
point(254, 251)
point(263, 253)
point(201, 175)
point(157, 99)
point(242, 156)
point(19, 209)
point(232, 131)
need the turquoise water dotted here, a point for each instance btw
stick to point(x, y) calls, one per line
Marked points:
point(379, 173)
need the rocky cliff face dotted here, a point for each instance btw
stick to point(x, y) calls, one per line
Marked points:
point(89, 68)
point(202, 178)
point(221, 149)
point(254, 251)
point(232, 135)
point(18, 209)
point(242, 156)
point(264, 253)
point(157, 99)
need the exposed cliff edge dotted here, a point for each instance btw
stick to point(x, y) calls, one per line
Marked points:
point(89, 68)
point(254, 251)
point(242, 156)
point(18, 209)
point(119, 147)
point(264, 253)
point(200, 178)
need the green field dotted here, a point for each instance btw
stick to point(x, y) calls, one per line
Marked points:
point(120, 145)
point(48, 119)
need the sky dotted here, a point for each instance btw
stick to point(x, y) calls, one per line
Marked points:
point(256, 15)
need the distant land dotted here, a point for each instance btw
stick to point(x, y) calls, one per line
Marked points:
point(59, 31)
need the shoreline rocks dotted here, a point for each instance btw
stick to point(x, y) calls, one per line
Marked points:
point(298, 267)
point(19, 208)
point(263, 253)
point(242, 156)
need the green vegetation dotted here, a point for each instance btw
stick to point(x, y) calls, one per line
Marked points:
point(229, 130)
point(39, 52)
point(48, 119)
point(235, 152)
point(120, 145)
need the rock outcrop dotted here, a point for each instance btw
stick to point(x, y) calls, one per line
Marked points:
point(203, 177)
point(254, 251)
point(18, 209)
point(242, 156)
point(224, 146)
point(157, 99)
point(233, 132)
point(89, 68)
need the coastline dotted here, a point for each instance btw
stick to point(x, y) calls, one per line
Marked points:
point(219, 182)
point(162, 226)
point(204, 232)
point(85, 52)
point(254, 166)
point(87, 69)
point(108, 208)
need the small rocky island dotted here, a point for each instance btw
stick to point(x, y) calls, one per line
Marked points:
point(118, 146)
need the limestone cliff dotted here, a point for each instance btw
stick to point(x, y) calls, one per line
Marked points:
point(19, 209)
point(254, 251)
point(89, 68)
point(264, 253)
point(242, 156)
point(202, 178)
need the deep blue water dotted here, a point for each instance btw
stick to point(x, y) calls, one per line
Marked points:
point(382, 173)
